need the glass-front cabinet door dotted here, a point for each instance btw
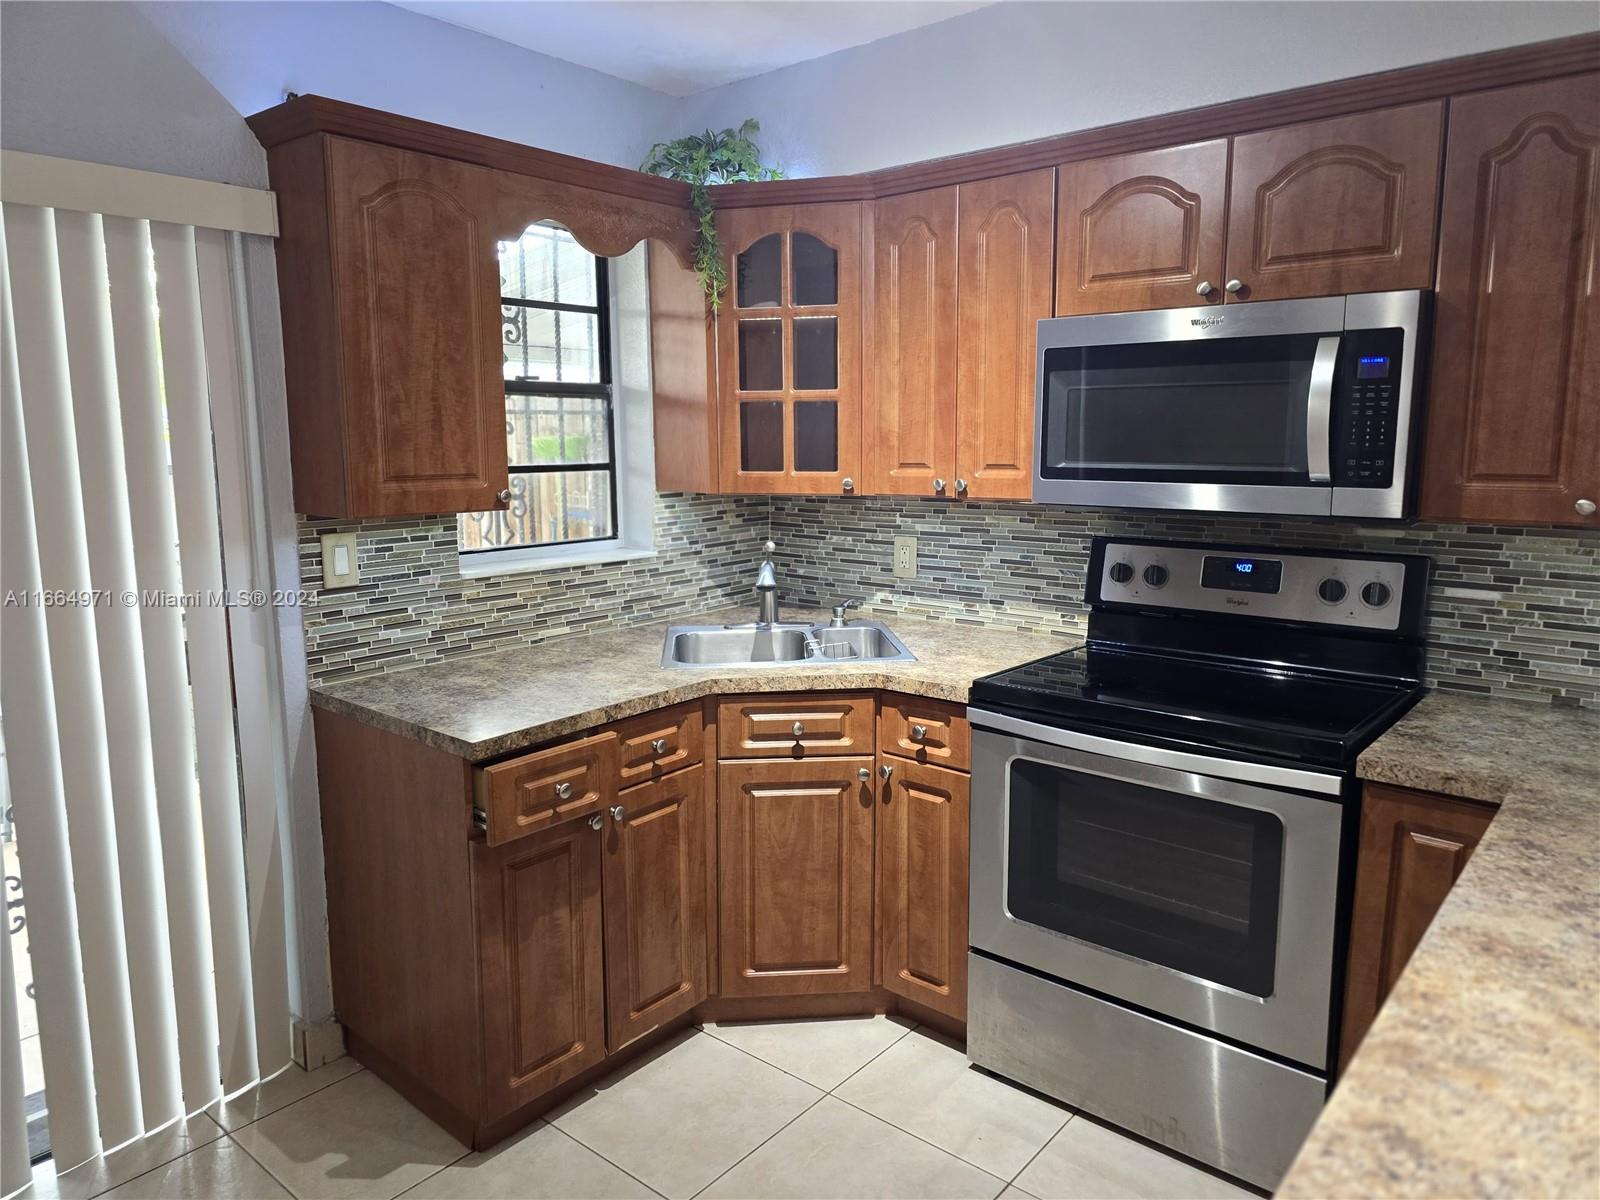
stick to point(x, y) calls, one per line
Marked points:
point(789, 346)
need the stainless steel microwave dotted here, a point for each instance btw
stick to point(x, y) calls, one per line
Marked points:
point(1283, 406)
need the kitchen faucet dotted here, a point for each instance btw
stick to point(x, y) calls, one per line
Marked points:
point(767, 591)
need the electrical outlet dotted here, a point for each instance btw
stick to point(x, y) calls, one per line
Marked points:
point(905, 557)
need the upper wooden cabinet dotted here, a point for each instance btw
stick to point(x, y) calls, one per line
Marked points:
point(388, 272)
point(961, 276)
point(789, 349)
point(1514, 404)
point(1143, 230)
point(1335, 207)
point(911, 415)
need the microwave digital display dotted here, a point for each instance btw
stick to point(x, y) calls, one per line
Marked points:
point(1372, 366)
point(1233, 574)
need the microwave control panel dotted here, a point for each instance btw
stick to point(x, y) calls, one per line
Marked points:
point(1365, 408)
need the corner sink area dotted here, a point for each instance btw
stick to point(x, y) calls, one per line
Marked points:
point(783, 644)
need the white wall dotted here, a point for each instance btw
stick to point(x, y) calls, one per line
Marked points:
point(1017, 71)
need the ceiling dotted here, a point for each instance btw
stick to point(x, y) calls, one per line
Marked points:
point(685, 47)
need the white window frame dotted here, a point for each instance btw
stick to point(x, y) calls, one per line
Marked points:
point(633, 432)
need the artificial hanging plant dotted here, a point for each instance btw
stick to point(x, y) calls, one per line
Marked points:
point(702, 159)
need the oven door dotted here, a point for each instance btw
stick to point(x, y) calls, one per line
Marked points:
point(1202, 898)
point(1217, 409)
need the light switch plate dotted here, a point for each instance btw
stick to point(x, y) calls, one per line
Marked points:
point(340, 569)
point(905, 557)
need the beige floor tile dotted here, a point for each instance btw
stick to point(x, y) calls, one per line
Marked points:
point(822, 1052)
point(220, 1171)
point(540, 1164)
point(834, 1150)
point(107, 1171)
point(1013, 1192)
point(682, 1115)
point(282, 1089)
point(923, 1084)
point(1089, 1161)
point(357, 1139)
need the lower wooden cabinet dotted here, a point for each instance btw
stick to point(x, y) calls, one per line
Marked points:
point(922, 883)
point(1413, 846)
point(794, 864)
point(655, 904)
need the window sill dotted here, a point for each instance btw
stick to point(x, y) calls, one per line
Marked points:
point(517, 562)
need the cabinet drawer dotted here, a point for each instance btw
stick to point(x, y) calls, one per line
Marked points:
point(654, 743)
point(546, 788)
point(930, 731)
point(795, 726)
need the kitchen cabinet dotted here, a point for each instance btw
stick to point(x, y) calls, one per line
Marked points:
point(1335, 207)
point(1514, 401)
point(922, 883)
point(542, 966)
point(1143, 230)
point(795, 870)
point(546, 788)
point(928, 731)
point(1413, 845)
point(789, 349)
point(961, 275)
point(655, 890)
point(388, 266)
point(795, 726)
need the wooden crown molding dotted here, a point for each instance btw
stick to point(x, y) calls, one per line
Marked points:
point(1340, 97)
point(317, 114)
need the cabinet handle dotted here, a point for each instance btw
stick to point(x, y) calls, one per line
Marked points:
point(659, 745)
point(618, 812)
point(848, 484)
point(918, 732)
point(1233, 287)
point(1204, 287)
point(938, 485)
point(563, 791)
point(596, 821)
point(798, 729)
point(863, 774)
point(886, 770)
point(961, 485)
point(503, 495)
point(1585, 508)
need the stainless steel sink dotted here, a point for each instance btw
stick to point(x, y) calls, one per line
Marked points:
point(781, 645)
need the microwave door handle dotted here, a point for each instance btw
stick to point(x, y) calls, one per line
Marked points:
point(1319, 410)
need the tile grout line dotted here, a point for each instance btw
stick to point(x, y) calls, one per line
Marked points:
point(604, 1159)
point(1072, 1114)
point(282, 1107)
point(1004, 1183)
point(821, 1096)
point(166, 1162)
point(825, 1091)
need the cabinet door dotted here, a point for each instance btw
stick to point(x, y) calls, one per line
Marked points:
point(1514, 413)
point(1335, 207)
point(1142, 230)
point(789, 349)
point(655, 904)
point(1006, 248)
point(543, 979)
point(1413, 846)
point(911, 426)
point(922, 884)
point(417, 283)
point(794, 860)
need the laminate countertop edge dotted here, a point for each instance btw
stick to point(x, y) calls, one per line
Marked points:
point(1481, 1074)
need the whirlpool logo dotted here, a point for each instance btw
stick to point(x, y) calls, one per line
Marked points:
point(1205, 322)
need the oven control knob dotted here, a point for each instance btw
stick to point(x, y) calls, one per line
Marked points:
point(1155, 575)
point(1121, 572)
point(1331, 590)
point(1376, 595)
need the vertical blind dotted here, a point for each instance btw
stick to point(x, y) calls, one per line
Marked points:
point(144, 752)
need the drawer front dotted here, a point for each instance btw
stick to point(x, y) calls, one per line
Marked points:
point(930, 731)
point(655, 743)
point(547, 788)
point(795, 726)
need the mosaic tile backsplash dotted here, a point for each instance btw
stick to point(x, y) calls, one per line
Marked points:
point(1514, 612)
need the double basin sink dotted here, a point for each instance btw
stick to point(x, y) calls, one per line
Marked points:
point(782, 645)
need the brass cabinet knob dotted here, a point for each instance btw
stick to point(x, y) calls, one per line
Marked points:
point(886, 770)
point(1234, 286)
point(659, 746)
point(596, 821)
point(848, 484)
point(798, 729)
point(918, 732)
point(563, 791)
point(961, 485)
point(503, 495)
point(1204, 288)
point(1585, 508)
point(618, 812)
point(863, 774)
point(938, 485)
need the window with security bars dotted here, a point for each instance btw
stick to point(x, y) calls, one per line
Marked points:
point(560, 435)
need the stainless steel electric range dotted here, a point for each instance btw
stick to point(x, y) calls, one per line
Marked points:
point(1163, 838)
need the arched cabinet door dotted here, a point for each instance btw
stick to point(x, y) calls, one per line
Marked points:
point(416, 293)
point(1335, 207)
point(1144, 230)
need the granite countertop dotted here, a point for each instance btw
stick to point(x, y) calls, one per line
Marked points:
point(1481, 1074)
point(483, 706)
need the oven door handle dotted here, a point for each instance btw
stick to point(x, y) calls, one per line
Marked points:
point(1319, 411)
point(1159, 756)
